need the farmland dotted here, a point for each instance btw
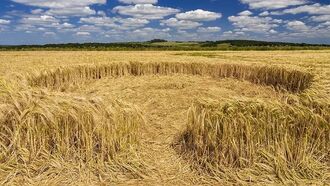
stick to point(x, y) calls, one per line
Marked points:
point(156, 117)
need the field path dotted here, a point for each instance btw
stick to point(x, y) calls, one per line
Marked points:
point(162, 126)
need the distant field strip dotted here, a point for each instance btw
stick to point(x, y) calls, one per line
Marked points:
point(291, 80)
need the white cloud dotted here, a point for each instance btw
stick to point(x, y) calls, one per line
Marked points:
point(297, 26)
point(233, 35)
point(272, 31)
point(245, 13)
point(4, 22)
point(37, 11)
point(149, 33)
point(89, 28)
point(139, 1)
point(326, 24)
point(228, 32)
point(183, 35)
point(192, 35)
point(209, 29)
point(320, 18)
point(180, 24)
point(41, 29)
point(145, 11)
point(36, 23)
point(49, 34)
point(100, 21)
point(316, 9)
point(25, 27)
point(272, 4)
point(199, 15)
point(62, 27)
point(74, 11)
point(115, 22)
point(131, 23)
point(300, 30)
point(254, 23)
point(39, 20)
point(83, 34)
point(265, 13)
point(68, 25)
point(60, 3)
point(101, 13)
point(142, 34)
point(63, 7)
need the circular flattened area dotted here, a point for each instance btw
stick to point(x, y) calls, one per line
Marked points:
point(164, 101)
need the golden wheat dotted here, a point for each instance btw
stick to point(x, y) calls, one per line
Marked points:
point(267, 139)
point(52, 136)
point(294, 80)
point(38, 125)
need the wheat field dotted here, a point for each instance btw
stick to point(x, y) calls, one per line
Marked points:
point(165, 118)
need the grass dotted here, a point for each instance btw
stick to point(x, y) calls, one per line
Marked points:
point(77, 118)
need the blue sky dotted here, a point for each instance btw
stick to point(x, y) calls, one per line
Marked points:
point(63, 21)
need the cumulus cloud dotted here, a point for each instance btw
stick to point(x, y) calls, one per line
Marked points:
point(272, 4)
point(298, 30)
point(149, 33)
point(245, 13)
point(199, 15)
point(67, 25)
point(74, 11)
point(4, 25)
point(139, 1)
point(83, 34)
point(116, 22)
point(320, 18)
point(245, 23)
point(145, 11)
point(35, 23)
point(180, 24)
point(60, 3)
point(44, 20)
point(234, 35)
point(208, 29)
point(265, 13)
point(89, 28)
point(141, 34)
point(63, 7)
point(316, 9)
point(297, 26)
point(37, 11)
point(131, 23)
point(100, 21)
point(101, 13)
point(49, 34)
point(4, 22)
point(326, 23)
